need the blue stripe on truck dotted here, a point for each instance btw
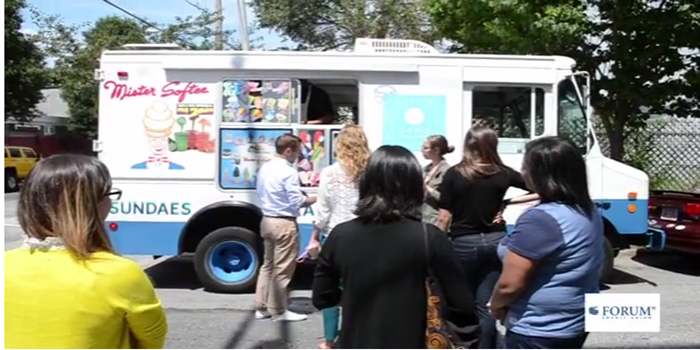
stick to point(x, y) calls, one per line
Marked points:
point(161, 238)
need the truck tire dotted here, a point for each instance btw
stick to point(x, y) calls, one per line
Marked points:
point(11, 181)
point(228, 259)
point(608, 262)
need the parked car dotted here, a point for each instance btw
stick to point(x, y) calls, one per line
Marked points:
point(19, 161)
point(678, 214)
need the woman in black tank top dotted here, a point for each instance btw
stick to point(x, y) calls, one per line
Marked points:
point(471, 196)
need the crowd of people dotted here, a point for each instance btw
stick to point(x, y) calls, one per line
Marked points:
point(390, 239)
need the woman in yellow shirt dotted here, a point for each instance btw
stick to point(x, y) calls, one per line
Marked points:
point(65, 287)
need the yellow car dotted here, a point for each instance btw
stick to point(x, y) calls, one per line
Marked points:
point(19, 161)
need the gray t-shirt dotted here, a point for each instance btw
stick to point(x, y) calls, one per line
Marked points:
point(569, 249)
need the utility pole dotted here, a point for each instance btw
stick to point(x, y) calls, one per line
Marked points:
point(245, 44)
point(219, 27)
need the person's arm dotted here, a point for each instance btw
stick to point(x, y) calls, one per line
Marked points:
point(445, 202)
point(456, 291)
point(294, 194)
point(530, 197)
point(536, 235)
point(434, 192)
point(322, 210)
point(516, 180)
point(131, 292)
point(322, 213)
point(325, 289)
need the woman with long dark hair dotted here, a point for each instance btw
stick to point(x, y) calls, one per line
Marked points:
point(471, 198)
point(377, 263)
point(553, 256)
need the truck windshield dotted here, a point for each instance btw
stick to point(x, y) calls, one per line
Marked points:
point(573, 123)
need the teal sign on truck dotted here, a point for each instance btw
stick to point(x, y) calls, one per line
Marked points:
point(151, 208)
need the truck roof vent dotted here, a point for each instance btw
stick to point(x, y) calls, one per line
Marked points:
point(171, 46)
point(367, 45)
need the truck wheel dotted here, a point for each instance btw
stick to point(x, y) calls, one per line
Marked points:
point(11, 182)
point(227, 260)
point(608, 262)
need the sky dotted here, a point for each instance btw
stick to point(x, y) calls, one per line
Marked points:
point(80, 11)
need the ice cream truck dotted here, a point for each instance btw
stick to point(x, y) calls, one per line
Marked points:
point(185, 132)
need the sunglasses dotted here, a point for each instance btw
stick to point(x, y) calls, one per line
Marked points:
point(115, 194)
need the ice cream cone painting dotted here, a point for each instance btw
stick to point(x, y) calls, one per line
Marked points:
point(158, 122)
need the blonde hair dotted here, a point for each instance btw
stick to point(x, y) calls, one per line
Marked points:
point(61, 198)
point(352, 150)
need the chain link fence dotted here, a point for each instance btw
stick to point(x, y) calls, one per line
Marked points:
point(668, 150)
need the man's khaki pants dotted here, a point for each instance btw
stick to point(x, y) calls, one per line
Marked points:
point(281, 239)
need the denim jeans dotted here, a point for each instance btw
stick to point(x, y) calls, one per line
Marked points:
point(479, 258)
point(517, 341)
point(331, 323)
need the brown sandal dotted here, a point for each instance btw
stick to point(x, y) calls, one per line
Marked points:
point(325, 345)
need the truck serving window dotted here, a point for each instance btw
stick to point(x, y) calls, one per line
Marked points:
point(509, 110)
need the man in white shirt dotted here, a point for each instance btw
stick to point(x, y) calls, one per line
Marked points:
point(280, 195)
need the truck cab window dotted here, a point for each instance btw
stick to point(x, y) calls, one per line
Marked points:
point(509, 110)
point(572, 121)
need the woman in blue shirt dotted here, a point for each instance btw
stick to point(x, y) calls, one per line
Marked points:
point(553, 256)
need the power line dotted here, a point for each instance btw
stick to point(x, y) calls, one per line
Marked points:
point(132, 15)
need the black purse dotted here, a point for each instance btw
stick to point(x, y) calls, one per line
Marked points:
point(440, 333)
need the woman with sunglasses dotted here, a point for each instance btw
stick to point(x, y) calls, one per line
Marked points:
point(65, 288)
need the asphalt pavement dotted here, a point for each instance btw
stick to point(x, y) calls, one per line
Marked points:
point(202, 320)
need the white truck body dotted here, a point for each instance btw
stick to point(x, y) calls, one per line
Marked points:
point(166, 133)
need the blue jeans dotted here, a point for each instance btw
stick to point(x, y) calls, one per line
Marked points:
point(517, 341)
point(479, 258)
point(331, 323)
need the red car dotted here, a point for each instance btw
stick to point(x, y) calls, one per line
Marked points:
point(678, 214)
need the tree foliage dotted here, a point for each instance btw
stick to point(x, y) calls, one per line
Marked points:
point(76, 49)
point(25, 75)
point(513, 27)
point(642, 55)
point(639, 53)
point(78, 55)
point(196, 32)
point(334, 24)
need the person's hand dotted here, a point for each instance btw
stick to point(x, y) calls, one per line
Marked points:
point(499, 218)
point(498, 313)
point(313, 248)
point(310, 200)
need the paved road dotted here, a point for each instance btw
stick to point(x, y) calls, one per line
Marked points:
point(201, 320)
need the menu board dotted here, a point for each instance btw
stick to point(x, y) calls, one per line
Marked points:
point(242, 153)
point(313, 157)
point(261, 101)
point(334, 137)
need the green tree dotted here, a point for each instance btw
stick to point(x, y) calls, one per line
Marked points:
point(76, 49)
point(78, 57)
point(634, 50)
point(334, 24)
point(638, 52)
point(509, 27)
point(197, 32)
point(25, 75)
